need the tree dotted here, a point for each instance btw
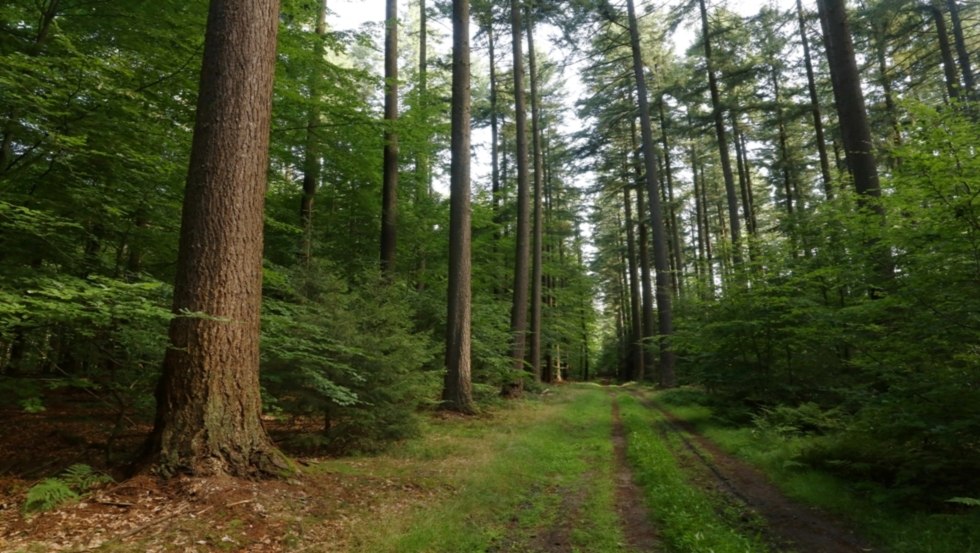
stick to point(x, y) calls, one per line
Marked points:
point(538, 228)
point(658, 228)
point(518, 317)
point(389, 191)
point(208, 400)
point(719, 118)
point(457, 391)
point(849, 98)
point(311, 160)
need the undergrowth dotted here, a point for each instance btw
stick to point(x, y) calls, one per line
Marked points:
point(69, 486)
point(789, 444)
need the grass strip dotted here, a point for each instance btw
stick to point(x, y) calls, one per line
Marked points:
point(529, 470)
point(688, 518)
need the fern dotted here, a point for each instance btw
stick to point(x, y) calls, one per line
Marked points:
point(82, 478)
point(71, 485)
point(48, 494)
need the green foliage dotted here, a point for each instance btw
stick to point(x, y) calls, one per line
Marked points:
point(346, 354)
point(72, 484)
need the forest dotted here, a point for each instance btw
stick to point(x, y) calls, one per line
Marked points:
point(647, 272)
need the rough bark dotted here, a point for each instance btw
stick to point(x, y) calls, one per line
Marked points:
point(676, 245)
point(658, 228)
point(208, 403)
point(457, 392)
point(389, 187)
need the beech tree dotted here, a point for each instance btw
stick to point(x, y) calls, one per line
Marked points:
point(208, 403)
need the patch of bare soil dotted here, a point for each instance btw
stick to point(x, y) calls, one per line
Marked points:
point(789, 526)
point(633, 514)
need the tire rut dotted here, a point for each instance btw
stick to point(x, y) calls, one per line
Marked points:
point(640, 533)
point(790, 526)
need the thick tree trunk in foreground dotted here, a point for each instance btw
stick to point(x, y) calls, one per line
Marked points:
point(389, 190)
point(457, 393)
point(659, 229)
point(522, 257)
point(208, 403)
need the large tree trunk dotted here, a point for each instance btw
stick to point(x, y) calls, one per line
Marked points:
point(518, 314)
point(389, 189)
point(538, 231)
point(719, 117)
point(811, 83)
point(849, 97)
point(853, 118)
point(457, 393)
point(311, 155)
point(659, 229)
point(208, 403)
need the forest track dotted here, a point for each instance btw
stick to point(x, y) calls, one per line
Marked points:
point(789, 526)
point(641, 535)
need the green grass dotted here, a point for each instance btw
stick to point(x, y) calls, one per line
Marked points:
point(536, 467)
point(865, 504)
point(689, 520)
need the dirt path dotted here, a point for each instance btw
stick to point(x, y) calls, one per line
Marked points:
point(630, 505)
point(789, 525)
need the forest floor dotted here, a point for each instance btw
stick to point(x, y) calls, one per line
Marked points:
point(563, 473)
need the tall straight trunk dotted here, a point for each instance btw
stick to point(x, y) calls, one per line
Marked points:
point(851, 110)
point(740, 136)
point(423, 174)
point(719, 117)
point(961, 52)
point(744, 181)
point(646, 284)
point(945, 52)
point(811, 83)
point(661, 264)
point(784, 161)
point(538, 231)
point(885, 80)
point(457, 391)
point(637, 331)
point(208, 418)
point(518, 314)
point(389, 189)
point(706, 227)
point(853, 117)
point(494, 128)
point(311, 157)
point(677, 246)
